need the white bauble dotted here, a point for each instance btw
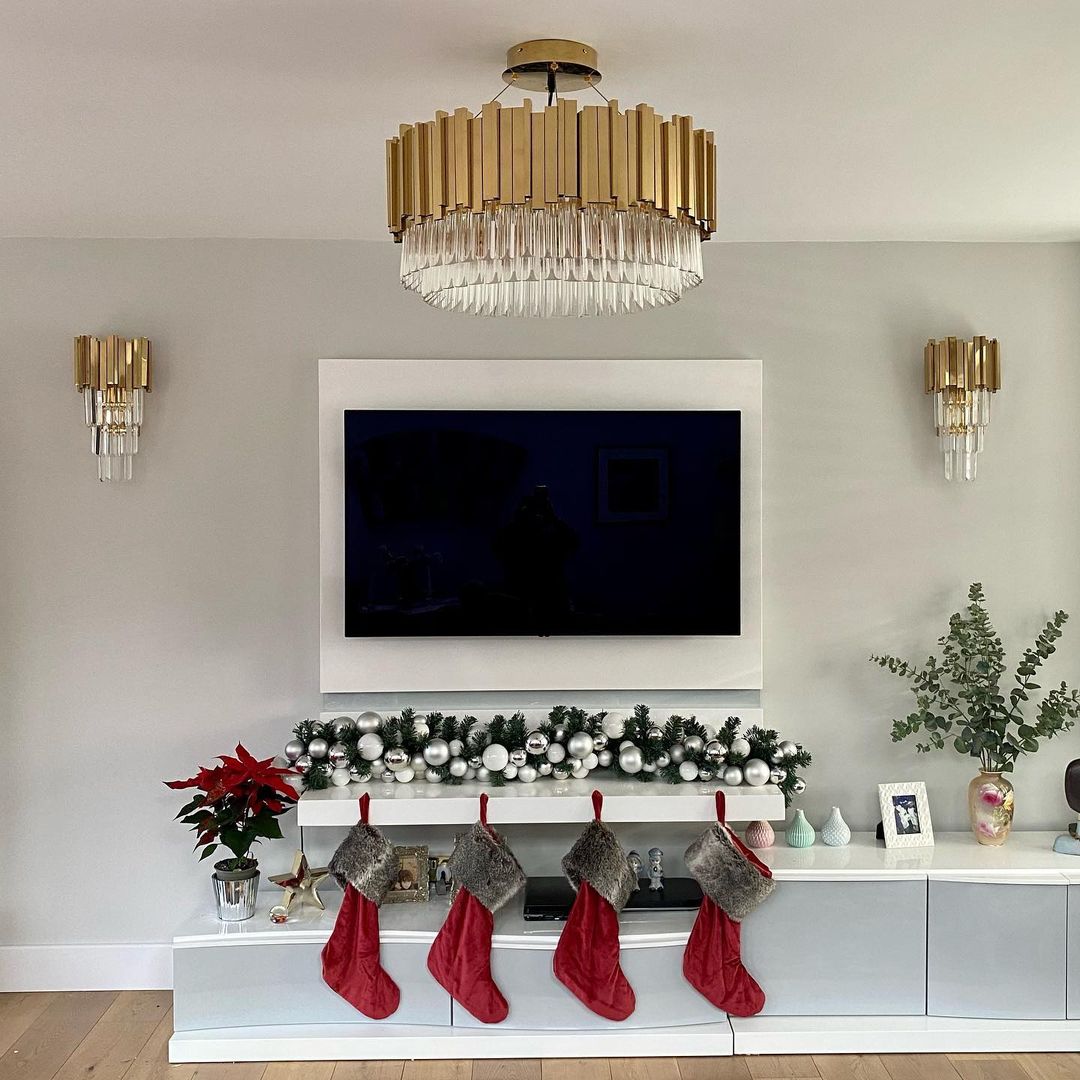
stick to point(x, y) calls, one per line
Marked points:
point(456, 747)
point(688, 771)
point(787, 748)
point(544, 768)
point(437, 752)
point(495, 757)
point(370, 746)
point(556, 752)
point(740, 747)
point(526, 774)
point(625, 743)
point(591, 761)
point(470, 773)
point(432, 775)
point(663, 760)
point(510, 772)
point(536, 742)
point(518, 757)
point(396, 759)
point(418, 763)
point(368, 721)
point(580, 745)
point(605, 758)
point(756, 772)
point(694, 744)
point(579, 772)
point(677, 752)
point(340, 778)
point(614, 724)
point(318, 748)
point(483, 775)
point(630, 759)
point(458, 767)
point(733, 776)
point(294, 748)
point(404, 776)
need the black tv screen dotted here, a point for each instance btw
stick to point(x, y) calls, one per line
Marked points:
point(489, 523)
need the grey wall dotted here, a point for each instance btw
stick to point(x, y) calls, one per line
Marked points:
point(145, 628)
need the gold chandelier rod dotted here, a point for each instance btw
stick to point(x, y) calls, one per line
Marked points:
point(953, 363)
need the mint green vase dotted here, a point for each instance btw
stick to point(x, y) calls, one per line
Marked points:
point(800, 832)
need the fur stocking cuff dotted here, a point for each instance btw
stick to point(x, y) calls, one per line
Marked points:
point(365, 859)
point(598, 858)
point(725, 875)
point(483, 864)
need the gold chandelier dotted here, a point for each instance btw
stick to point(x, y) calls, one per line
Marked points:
point(962, 376)
point(113, 376)
point(557, 210)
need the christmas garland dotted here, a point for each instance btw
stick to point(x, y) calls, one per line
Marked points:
point(570, 743)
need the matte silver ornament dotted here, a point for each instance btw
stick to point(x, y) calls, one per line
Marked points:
point(545, 768)
point(688, 771)
point(406, 775)
point(318, 748)
point(338, 755)
point(556, 752)
point(663, 760)
point(605, 758)
point(437, 752)
point(654, 734)
point(458, 767)
point(432, 775)
point(510, 772)
point(303, 763)
point(591, 761)
point(733, 775)
point(518, 758)
point(756, 772)
point(368, 721)
point(631, 760)
point(483, 776)
point(799, 786)
point(457, 747)
point(526, 774)
point(787, 748)
point(705, 773)
point(777, 775)
point(739, 748)
point(495, 757)
point(694, 744)
point(714, 752)
point(342, 724)
point(340, 778)
point(421, 729)
point(536, 742)
point(294, 748)
point(561, 772)
point(560, 733)
point(396, 759)
point(677, 752)
point(417, 762)
point(599, 742)
point(470, 773)
point(370, 746)
point(580, 745)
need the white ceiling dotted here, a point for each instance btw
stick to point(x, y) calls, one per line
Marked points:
point(834, 119)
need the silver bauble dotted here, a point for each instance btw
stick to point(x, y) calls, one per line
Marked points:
point(777, 775)
point(510, 772)
point(338, 755)
point(342, 724)
point(396, 759)
point(432, 775)
point(740, 747)
point(694, 744)
point(544, 768)
point(654, 734)
point(470, 773)
point(340, 777)
point(476, 762)
point(526, 774)
point(483, 776)
point(756, 772)
point(663, 760)
point(614, 725)
point(556, 752)
point(294, 748)
point(359, 777)
point(776, 757)
point(421, 729)
point(677, 752)
point(688, 771)
point(437, 752)
point(368, 721)
point(561, 772)
point(536, 742)
point(625, 743)
point(518, 758)
point(560, 733)
point(648, 766)
point(733, 775)
point(579, 772)
point(318, 748)
point(370, 746)
point(705, 773)
point(787, 748)
point(386, 776)
point(303, 763)
point(799, 786)
point(591, 761)
point(495, 757)
point(631, 760)
point(406, 775)
point(714, 752)
point(418, 763)
point(605, 758)
point(580, 745)
point(457, 747)
point(458, 767)
point(599, 742)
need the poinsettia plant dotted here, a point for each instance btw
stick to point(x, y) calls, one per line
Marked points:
point(237, 805)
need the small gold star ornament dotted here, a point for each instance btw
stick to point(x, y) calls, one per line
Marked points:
point(302, 884)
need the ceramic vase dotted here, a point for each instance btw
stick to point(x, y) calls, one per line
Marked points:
point(800, 832)
point(990, 803)
point(759, 834)
point(835, 831)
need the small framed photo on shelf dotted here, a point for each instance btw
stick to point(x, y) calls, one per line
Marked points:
point(412, 880)
point(440, 879)
point(905, 815)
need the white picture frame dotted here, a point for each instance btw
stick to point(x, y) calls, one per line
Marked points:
point(905, 815)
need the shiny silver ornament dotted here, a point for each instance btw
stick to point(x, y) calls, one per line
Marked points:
point(368, 721)
point(580, 745)
point(536, 742)
point(318, 748)
point(799, 786)
point(714, 752)
point(396, 759)
point(526, 774)
point(787, 748)
point(370, 746)
point(432, 775)
point(631, 760)
point(739, 748)
point(599, 742)
point(663, 760)
point(421, 729)
point(677, 752)
point(476, 762)
point(386, 776)
point(756, 772)
point(458, 767)
point(694, 744)
point(510, 772)
point(338, 755)
point(437, 752)
point(561, 772)
point(495, 757)
point(340, 778)
point(342, 725)
point(776, 757)
point(777, 775)
point(294, 748)
point(518, 758)
point(560, 733)
point(654, 734)
point(733, 775)
point(705, 774)
point(648, 766)
point(556, 753)
point(303, 763)
point(688, 771)
point(545, 768)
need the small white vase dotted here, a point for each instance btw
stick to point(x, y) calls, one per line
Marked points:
point(835, 831)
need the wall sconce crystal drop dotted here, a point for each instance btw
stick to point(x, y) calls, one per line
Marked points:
point(962, 376)
point(113, 376)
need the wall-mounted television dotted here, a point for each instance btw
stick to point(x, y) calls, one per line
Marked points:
point(541, 523)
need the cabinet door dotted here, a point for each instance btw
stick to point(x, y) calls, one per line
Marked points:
point(1072, 976)
point(997, 949)
point(844, 948)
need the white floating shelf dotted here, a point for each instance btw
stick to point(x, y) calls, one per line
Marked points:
point(545, 801)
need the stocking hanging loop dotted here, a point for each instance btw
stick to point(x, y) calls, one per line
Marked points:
point(483, 811)
point(365, 804)
point(721, 807)
point(597, 804)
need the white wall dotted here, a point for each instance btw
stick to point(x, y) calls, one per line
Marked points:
point(145, 628)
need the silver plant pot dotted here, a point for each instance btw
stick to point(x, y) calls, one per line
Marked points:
point(236, 892)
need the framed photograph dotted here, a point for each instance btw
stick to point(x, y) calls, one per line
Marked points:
point(440, 880)
point(412, 882)
point(905, 815)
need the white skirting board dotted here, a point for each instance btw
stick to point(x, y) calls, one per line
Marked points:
point(102, 966)
point(375, 1042)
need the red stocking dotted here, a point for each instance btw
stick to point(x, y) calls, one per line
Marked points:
point(460, 959)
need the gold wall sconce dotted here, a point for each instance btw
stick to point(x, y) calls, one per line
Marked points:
point(963, 376)
point(113, 376)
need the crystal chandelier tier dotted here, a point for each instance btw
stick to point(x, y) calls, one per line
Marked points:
point(555, 211)
point(963, 376)
point(113, 376)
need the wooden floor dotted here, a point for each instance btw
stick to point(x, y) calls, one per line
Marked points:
point(124, 1036)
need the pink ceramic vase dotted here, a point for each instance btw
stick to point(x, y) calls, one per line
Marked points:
point(759, 834)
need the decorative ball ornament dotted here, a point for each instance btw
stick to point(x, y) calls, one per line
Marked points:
point(705, 773)
point(457, 747)
point(421, 729)
point(387, 777)
point(303, 763)
point(654, 734)
point(418, 763)
point(470, 773)
point(318, 748)
point(648, 766)
point(599, 742)
point(358, 777)
point(536, 742)
point(483, 775)
point(631, 760)
point(526, 774)
point(714, 752)
point(591, 762)
point(476, 762)
point(740, 747)
point(614, 725)
point(733, 776)
point(338, 755)
point(561, 772)
point(776, 757)
point(677, 752)
point(406, 775)
point(756, 772)
point(340, 778)
point(560, 733)
point(777, 775)
point(663, 760)
point(688, 771)
point(556, 752)
point(341, 724)
point(495, 757)
point(605, 758)
point(579, 772)
point(580, 745)
point(432, 775)
point(625, 743)
point(694, 744)
point(799, 786)
point(458, 767)
point(544, 768)
point(370, 746)
point(787, 748)
point(518, 758)
point(294, 748)
point(510, 772)
point(368, 721)
point(437, 752)
point(396, 759)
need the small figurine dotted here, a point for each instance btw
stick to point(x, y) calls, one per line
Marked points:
point(656, 869)
point(1070, 844)
point(633, 860)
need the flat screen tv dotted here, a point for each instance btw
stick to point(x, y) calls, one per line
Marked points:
point(514, 523)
